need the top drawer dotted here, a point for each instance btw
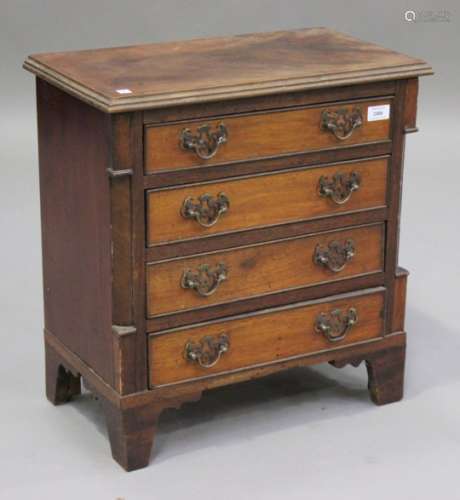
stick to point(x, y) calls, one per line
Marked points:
point(259, 135)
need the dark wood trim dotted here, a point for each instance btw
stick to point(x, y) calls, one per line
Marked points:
point(399, 299)
point(385, 370)
point(395, 176)
point(266, 165)
point(122, 141)
point(122, 359)
point(124, 355)
point(410, 106)
point(261, 235)
point(132, 430)
point(62, 384)
point(131, 433)
point(139, 366)
point(126, 158)
point(287, 100)
point(121, 225)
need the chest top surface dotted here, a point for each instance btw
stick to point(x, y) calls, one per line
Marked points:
point(200, 70)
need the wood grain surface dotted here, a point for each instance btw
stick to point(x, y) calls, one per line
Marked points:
point(262, 269)
point(399, 300)
point(263, 338)
point(264, 200)
point(260, 135)
point(410, 106)
point(76, 236)
point(201, 70)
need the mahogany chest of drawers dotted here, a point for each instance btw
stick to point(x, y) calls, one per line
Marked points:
point(218, 210)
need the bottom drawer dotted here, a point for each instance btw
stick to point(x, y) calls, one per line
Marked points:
point(265, 337)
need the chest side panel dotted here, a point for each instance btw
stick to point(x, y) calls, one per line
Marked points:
point(76, 237)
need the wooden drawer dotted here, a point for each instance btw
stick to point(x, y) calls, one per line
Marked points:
point(225, 276)
point(261, 135)
point(264, 200)
point(265, 337)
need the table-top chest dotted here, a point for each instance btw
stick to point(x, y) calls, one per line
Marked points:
point(218, 210)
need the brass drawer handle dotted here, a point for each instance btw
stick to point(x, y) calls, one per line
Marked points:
point(335, 325)
point(335, 256)
point(206, 280)
point(207, 351)
point(340, 188)
point(207, 210)
point(342, 122)
point(204, 143)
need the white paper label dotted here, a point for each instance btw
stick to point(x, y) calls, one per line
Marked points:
point(124, 91)
point(375, 113)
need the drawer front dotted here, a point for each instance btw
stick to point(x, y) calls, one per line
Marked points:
point(265, 337)
point(219, 277)
point(248, 137)
point(264, 200)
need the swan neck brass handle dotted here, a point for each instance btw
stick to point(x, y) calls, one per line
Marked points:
point(208, 351)
point(335, 256)
point(206, 280)
point(340, 188)
point(335, 325)
point(342, 122)
point(207, 210)
point(204, 143)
